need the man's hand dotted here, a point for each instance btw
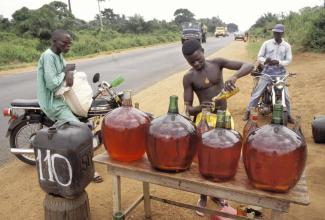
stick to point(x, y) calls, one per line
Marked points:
point(230, 83)
point(274, 62)
point(267, 61)
point(69, 67)
point(69, 78)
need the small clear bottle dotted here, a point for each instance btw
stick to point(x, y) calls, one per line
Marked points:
point(202, 127)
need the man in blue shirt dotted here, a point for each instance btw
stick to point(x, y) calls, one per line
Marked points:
point(275, 54)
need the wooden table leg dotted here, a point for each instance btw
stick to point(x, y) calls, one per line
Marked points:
point(276, 215)
point(116, 194)
point(146, 200)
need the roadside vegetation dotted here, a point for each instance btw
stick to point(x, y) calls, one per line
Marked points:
point(304, 30)
point(27, 34)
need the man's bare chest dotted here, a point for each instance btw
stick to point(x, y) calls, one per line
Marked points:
point(207, 79)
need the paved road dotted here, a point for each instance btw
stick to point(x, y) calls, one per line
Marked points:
point(140, 68)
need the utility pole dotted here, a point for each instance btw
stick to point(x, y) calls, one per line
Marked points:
point(100, 16)
point(69, 6)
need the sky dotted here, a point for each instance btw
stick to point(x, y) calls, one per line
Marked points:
point(244, 13)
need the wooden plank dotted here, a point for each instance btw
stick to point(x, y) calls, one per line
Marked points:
point(197, 187)
point(133, 205)
point(116, 193)
point(146, 199)
point(238, 185)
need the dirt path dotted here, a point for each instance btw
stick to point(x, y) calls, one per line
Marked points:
point(21, 196)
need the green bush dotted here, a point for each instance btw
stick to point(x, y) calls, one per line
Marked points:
point(304, 30)
point(253, 48)
point(15, 50)
point(315, 38)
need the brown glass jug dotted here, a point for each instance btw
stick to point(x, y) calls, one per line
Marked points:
point(275, 155)
point(125, 131)
point(219, 151)
point(172, 140)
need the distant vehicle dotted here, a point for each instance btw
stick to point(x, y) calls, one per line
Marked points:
point(221, 31)
point(192, 30)
point(240, 35)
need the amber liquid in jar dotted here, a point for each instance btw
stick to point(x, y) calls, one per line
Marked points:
point(219, 152)
point(276, 164)
point(275, 156)
point(125, 132)
point(172, 140)
point(172, 154)
point(127, 144)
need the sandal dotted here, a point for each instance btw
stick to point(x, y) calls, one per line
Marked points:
point(97, 178)
point(219, 201)
point(202, 202)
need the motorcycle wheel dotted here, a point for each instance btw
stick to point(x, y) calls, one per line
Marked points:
point(22, 137)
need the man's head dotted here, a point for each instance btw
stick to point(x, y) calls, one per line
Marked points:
point(278, 32)
point(194, 53)
point(61, 41)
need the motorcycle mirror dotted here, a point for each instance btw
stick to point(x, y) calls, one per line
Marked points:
point(96, 77)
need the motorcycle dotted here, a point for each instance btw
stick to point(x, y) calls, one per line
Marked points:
point(26, 118)
point(273, 94)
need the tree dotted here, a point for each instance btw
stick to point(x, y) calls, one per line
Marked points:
point(4, 24)
point(69, 6)
point(99, 15)
point(136, 24)
point(109, 17)
point(40, 23)
point(232, 27)
point(265, 19)
point(212, 23)
point(183, 15)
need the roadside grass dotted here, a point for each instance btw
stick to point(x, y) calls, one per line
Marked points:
point(253, 47)
point(16, 51)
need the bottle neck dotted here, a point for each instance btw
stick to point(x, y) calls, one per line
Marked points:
point(220, 119)
point(173, 104)
point(228, 122)
point(127, 99)
point(277, 115)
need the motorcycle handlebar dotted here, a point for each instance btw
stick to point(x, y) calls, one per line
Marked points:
point(97, 94)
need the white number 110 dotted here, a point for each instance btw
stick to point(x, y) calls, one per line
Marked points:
point(50, 160)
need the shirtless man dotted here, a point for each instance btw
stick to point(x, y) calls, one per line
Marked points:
point(205, 79)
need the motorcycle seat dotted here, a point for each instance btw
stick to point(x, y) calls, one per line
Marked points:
point(25, 103)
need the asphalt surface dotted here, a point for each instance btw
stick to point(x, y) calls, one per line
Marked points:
point(140, 69)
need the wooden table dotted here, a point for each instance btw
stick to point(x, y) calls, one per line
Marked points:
point(238, 189)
